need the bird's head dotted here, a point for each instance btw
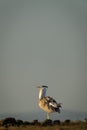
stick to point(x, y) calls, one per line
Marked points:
point(42, 87)
point(42, 91)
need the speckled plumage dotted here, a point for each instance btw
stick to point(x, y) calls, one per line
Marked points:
point(47, 103)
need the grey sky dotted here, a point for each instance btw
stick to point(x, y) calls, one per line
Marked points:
point(43, 42)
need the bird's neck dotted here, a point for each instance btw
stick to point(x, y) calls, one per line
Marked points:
point(42, 93)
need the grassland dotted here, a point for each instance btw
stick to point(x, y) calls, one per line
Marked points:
point(83, 127)
point(78, 125)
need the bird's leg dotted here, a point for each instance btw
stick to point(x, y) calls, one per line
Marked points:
point(48, 116)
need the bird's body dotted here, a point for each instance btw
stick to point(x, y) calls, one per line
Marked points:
point(47, 103)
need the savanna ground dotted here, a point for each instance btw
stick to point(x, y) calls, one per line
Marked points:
point(64, 126)
point(46, 128)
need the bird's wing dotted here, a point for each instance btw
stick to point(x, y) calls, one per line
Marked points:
point(52, 103)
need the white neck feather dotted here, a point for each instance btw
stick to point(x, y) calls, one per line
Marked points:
point(42, 93)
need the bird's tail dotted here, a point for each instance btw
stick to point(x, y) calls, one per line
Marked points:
point(59, 106)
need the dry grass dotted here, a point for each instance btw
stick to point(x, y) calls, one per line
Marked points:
point(12, 124)
point(70, 126)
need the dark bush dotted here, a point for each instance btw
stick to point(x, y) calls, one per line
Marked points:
point(56, 122)
point(67, 121)
point(35, 122)
point(47, 122)
point(19, 122)
point(26, 123)
point(9, 121)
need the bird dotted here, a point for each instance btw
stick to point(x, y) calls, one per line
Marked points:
point(47, 103)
